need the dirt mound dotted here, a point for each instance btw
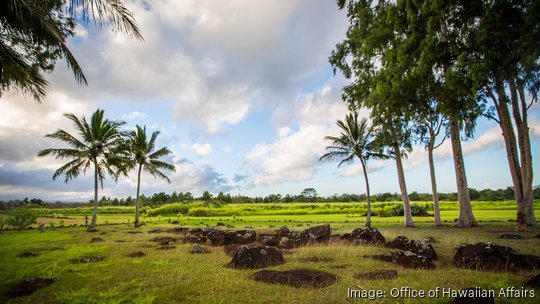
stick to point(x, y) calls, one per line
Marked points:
point(28, 286)
point(316, 260)
point(27, 254)
point(296, 278)
point(164, 240)
point(509, 236)
point(490, 256)
point(406, 259)
point(361, 236)
point(97, 240)
point(198, 248)
point(256, 256)
point(534, 282)
point(377, 275)
point(470, 297)
point(136, 254)
point(83, 260)
point(155, 231)
point(420, 247)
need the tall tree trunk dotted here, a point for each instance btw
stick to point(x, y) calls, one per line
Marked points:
point(519, 109)
point(510, 142)
point(403, 187)
point(466, 216)
point(92, 226)
point(368, 212)
point(136, 224)
point(435, 194)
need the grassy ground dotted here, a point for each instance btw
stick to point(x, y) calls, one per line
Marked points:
point(177, 276)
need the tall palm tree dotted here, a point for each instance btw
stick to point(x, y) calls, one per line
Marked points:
point(102, 145)
point(145, 156)
point(356, 140)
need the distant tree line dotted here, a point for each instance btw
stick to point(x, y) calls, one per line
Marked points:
point(163, 198)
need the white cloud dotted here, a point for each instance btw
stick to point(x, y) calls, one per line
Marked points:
point(135, 116)
point(202, 149)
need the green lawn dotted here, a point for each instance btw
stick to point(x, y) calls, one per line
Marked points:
point(177, 276)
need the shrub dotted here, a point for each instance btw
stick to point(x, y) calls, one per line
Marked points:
point(416, 210)
point(21, 217)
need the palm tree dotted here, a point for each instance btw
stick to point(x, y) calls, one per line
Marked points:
point(102, 145)
point(146, 157)
point(356, 140)
point(33, 35)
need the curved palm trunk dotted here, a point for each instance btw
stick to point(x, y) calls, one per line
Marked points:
point(368, 212)
point(466, 216)
point(403, 187)
point(92, 226)
point(137, 198)
point(435, 194)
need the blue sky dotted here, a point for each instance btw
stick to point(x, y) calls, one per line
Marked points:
point(243, 95)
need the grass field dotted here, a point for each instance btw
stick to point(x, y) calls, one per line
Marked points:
point(177, 276)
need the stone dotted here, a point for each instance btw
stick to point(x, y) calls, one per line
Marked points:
point(194, 238)
point(366, 235)
point(155, 231)
point(178, 229)
point(490, 256)
point(299, 278)
point(28, 287)
point(198, 248)
point(256, 256)
point(244, 237)
point(163, 239)
point(219, 237)
point(283, 230)
point(268, 240)
point(420, 247)
point(319, 234)
point(97, 240)
point(377, 275)
point(406, 259)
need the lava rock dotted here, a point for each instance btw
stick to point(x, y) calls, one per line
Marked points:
point(97, 240)
point(489, 256)
point(534, 282)
point(255, 256)
point(198, 248)
point(420, 247)
point(320, 234)
point(406, 259)
point(136, 254)
point(361, 236)
point(27, 254)
point(509, 236)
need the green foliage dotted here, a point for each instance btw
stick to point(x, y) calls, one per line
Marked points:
point(21, 217)
point(416, 210)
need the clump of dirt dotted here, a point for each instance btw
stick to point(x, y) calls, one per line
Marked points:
point(296, 278)
point(83, 260)
point(97, 240)
point(27, 254)
point(377, 275)
point(28, 287)
point(136, 254)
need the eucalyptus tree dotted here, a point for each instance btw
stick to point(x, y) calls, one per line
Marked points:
point(101, 145)
point(429, 124)
point(33, 37)
point(508, 42)
point(355, 141)
point(145, 157)
point(392, 48)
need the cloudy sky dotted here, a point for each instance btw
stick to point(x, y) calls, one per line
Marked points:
point(243, 95)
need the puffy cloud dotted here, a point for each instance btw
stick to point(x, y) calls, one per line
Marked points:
point(202, 149)
point(134, 115)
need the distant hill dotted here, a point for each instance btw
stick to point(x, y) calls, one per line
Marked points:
point(536, 187)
